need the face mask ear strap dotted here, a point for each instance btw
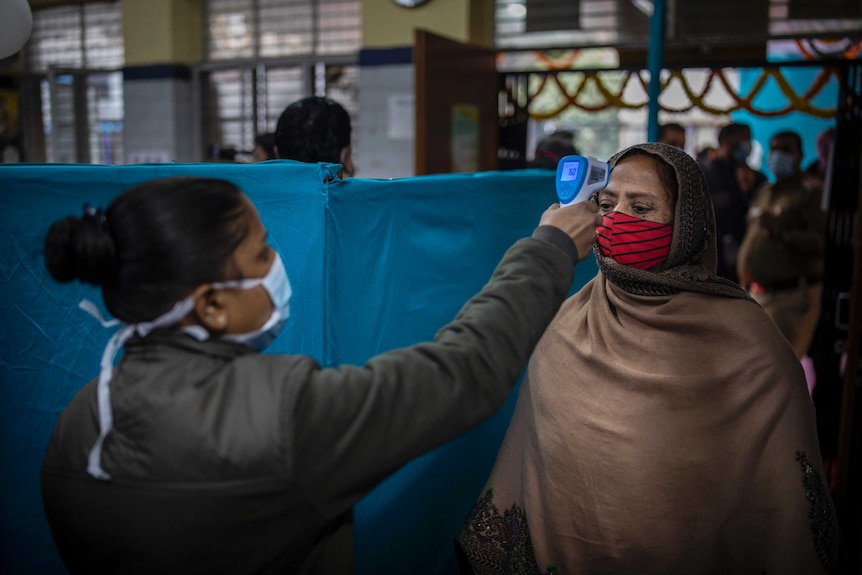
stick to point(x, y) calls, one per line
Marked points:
point(91, 309)
point(238, 284)
point(248, 283)
point(103, 389)
point(103, 399)
point(198, 332)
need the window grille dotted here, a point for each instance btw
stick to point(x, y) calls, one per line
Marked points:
point(105, 117)
point(74, 52)
point(339, 28)
point(239, 29)
point(82, 117)
point(245, 101)
point(77, 36)
point(286, 28)
point(281, 86)
point(265, 54)
point(103, 36)
point(56, 38)
point(230, 112)
point(58, 111)
point(230, 29)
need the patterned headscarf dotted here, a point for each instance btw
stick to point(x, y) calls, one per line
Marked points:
point(691, 263)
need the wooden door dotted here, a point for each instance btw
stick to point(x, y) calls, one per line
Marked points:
point(456, 106)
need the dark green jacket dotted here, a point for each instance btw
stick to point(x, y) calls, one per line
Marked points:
point(223, 460)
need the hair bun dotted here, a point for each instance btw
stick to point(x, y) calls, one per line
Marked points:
point(81, 248)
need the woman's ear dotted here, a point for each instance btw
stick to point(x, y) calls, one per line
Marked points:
point(347, 162)
point(210, 309)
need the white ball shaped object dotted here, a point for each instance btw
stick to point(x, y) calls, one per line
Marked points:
point(16, 23)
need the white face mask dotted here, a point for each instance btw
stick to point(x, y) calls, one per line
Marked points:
point(277, 285)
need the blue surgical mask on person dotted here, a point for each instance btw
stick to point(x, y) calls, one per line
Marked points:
point(277, 286)
point(781, 164)
point(742, 151)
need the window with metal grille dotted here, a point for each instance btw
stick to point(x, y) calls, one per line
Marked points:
point(74, 53)
point(241, 102)
point(82, 117)
point(265, 54)
point(238, 29)
point(77, 36)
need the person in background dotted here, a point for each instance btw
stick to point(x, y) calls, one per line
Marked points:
point(749, 180)
point(781, 259)
point(315, 129)
point(264, 147)
point(705, 154)
point(672, 134)
point(663, 426)
point(552, 148)
point(818, 168)
point(729, 197)
point(197, 453)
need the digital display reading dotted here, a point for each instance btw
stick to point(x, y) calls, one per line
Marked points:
point(570, 171)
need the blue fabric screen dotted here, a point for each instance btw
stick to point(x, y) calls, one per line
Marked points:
point(374, 265)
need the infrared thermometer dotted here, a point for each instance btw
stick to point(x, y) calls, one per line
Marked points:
point(579, 177)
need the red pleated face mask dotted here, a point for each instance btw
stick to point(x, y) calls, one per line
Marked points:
point(634, 242)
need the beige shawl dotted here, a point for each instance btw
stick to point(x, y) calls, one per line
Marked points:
point(659, 432)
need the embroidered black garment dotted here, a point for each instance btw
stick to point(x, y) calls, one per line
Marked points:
point(499, 545)
point(823, 524)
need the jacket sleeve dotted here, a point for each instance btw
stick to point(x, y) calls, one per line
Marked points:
point(353, 426)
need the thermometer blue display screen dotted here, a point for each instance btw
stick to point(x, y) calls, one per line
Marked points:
point(570, 171)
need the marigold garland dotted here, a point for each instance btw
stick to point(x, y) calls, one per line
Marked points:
point(563, 64)
point(795, 102)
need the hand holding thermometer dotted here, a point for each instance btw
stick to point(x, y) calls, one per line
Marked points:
point(579, 177)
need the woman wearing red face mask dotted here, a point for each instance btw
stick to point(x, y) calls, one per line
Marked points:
point(664, 425)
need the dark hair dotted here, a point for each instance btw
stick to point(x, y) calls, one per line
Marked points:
point(552, 148)
point(313, 130)
point(664, 128)
point(732, 130)
point(704, 153)
point(267, 143)
point(790, 134)
point(666, 172)
point(154, 243)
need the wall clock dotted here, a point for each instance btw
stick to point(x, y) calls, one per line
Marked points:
point(411, 3)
